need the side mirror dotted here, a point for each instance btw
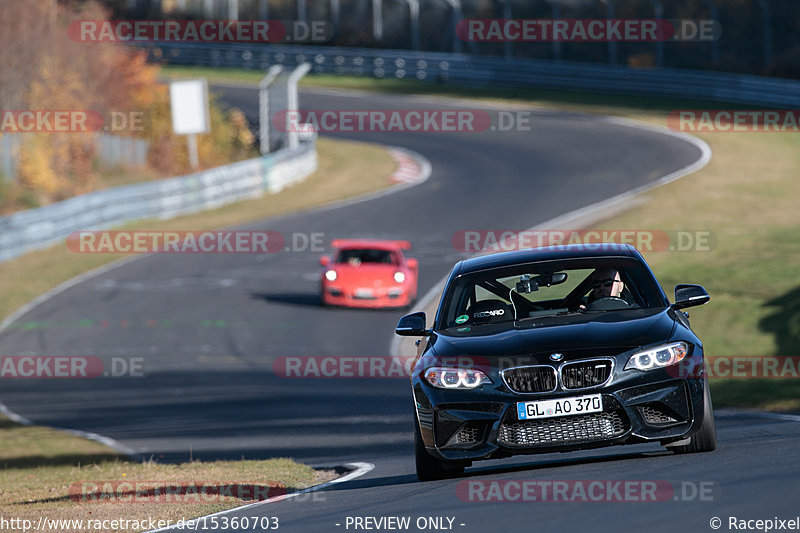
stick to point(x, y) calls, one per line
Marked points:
point(412, 325)
point(689, 296)
point(324, 260)
point(412, 263)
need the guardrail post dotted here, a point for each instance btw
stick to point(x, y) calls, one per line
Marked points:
point(612, 45)
point(508, 50)
point(302, 11)
point(658, 12)
point(377, 20)
point(263, 106)
point(556, 14)
point(413, 23)
point(715, 43)
point(766, 21)
point(291, 98)
point(336, 12)
point(456, 16)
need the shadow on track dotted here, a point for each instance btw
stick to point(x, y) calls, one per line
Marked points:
point(536, 467)
point(304, 299)
point(232, 411)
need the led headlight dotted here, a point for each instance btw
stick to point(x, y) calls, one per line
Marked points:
point(330, 275)
point(455, 378)
point(658, 357)
point(399, 277)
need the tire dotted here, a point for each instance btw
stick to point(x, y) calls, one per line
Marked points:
point(428, 467)
point(704, 440)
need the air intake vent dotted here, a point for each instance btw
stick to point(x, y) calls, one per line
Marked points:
point(656, 416)
point(470, 435)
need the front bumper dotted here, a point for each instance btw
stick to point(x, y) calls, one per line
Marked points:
point(477, 424)
point(337, 296)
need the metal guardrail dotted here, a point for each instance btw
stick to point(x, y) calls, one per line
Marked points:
point(36, 228)
point(475, 70)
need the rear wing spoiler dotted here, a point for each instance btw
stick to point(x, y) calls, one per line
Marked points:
point(339, 243)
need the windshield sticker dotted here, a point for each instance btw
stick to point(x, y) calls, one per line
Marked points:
point(486, 314)
point(461, 319)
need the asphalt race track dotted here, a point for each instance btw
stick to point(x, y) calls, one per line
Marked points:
point(208, 329)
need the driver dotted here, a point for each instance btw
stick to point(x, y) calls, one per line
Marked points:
point(607, 284)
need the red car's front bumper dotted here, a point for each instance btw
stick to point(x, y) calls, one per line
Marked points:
point(332, 295)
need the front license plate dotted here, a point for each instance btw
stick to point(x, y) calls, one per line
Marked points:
point(364, 293)
point(576, 405)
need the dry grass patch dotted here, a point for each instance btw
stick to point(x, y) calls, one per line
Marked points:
point(44, 472)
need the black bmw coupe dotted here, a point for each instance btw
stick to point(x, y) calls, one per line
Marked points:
point(556, 349)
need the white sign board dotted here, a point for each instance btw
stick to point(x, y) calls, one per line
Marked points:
point(189, 100)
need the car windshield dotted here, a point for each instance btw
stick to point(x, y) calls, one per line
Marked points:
point(358, 256)
point(524, 293)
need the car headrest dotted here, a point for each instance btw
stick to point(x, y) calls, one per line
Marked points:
point(489, 311)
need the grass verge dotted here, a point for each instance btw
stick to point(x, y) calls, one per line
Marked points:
point(46, 473)
point(746, 198)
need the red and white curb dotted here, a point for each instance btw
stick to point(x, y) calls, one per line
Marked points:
point(409, 167)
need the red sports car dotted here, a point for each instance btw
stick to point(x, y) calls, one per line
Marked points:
point(369, 273)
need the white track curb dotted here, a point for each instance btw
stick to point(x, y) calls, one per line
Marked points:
point(357, 470)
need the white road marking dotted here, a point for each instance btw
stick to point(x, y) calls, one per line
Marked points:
point(359, 469)
point(102, 439)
